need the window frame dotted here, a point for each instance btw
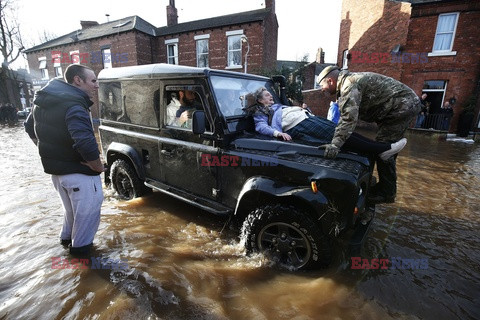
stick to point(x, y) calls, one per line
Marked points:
point(446, 52)
point(119, 102)
point(443, 90)
point(107, 64)
point(198, 39)
point(200, 92)
point(57, 66)
point(231, 35)
point(73, 54)
point(42, 66)
point(172, 43)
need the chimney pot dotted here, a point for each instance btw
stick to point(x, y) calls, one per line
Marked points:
point(270, 4)
point(88, 24)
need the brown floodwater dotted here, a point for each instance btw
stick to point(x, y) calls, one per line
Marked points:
point(178, 262)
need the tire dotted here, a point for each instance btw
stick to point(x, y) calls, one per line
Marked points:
point(287, 236)
point(125, 180)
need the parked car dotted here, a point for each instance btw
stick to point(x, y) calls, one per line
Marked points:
point(287, 199)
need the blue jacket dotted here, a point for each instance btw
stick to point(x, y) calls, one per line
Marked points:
point(261, 121)
point(62, 125)
point(333, 113)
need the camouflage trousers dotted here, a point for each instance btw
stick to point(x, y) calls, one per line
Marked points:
point(392, 127)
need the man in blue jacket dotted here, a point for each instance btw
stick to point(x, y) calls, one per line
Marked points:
point(61, 127)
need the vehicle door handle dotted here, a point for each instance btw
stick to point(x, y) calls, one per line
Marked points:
point(166, 152)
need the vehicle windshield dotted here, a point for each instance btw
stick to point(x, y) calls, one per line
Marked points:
point(234, 95)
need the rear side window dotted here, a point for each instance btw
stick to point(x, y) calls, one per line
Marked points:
point(135, 102)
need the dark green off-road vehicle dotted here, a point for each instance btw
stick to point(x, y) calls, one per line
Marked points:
point(289, 200)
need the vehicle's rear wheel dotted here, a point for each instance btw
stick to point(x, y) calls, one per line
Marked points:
point(287, 236)
point(125, 180)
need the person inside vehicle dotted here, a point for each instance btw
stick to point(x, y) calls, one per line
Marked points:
point(184, 106)
point(172, 109)
point(296, 123)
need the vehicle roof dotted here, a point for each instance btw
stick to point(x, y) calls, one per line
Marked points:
point(162, 69)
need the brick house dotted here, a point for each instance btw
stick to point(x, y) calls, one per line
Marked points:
point(429, 45)
point(307, 73)
point(219, 43)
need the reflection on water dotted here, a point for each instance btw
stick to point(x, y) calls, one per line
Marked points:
point(182, 264)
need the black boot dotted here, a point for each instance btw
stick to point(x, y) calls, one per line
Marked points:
point(66, 242)
point(386, 188)
point(80, 251)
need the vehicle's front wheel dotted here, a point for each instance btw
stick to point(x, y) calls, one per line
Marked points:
point(125, 180)
point(287, 236)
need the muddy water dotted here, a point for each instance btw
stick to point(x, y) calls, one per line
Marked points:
point(179, 263)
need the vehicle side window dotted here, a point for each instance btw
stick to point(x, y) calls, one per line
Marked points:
point(180, 103)
point(110, 101)
point(136, 102)
point(141, 102)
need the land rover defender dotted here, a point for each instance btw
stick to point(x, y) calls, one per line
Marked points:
point(289, 201)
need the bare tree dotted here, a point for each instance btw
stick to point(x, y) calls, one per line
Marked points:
point(11, 47)
point(46, 36)
point(11, 44)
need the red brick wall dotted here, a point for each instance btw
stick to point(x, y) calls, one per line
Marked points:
point(318, 102)
point(372, 28)
point(309, 75)
point(461, 71)
point(126, 48)
point(378, 25)
point(270, 41)
point(262, 54)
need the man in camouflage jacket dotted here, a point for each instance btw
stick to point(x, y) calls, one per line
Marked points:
point(371, 97)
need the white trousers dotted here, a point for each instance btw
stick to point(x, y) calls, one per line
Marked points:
point(82, 198)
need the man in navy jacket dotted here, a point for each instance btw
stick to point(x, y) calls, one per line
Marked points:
point(61, 127)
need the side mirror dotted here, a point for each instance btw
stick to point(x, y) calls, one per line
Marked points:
point(282, 82)
point(280, 79)
point(198, 122)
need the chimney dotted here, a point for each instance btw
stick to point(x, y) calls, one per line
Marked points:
point(88, 24)
point(270, 4)
point(320, 58)
point(172, 17)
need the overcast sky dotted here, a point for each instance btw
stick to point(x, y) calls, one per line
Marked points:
point(300, 21)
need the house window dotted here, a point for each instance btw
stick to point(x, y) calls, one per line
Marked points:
point(57, 67)
point(58, 70)
point(234, 58)
point(345, 60)
point(202, 50)
point(445, 35)
point(42, 65)
point(75, 56)
point(172, 51)
point(106, 58)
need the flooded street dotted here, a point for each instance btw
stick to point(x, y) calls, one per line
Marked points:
point(180, 262)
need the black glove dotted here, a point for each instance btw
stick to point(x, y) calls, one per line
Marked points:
point(331, 150)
